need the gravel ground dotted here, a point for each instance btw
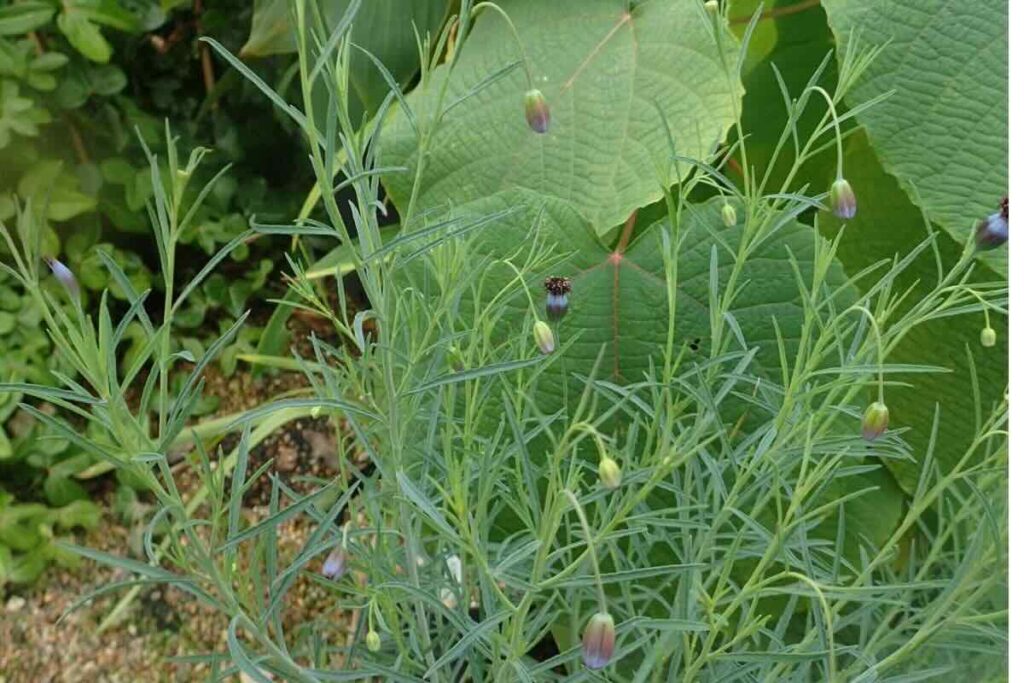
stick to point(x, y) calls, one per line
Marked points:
point(36, 645)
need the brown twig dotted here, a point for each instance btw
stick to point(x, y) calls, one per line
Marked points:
point(209, 78)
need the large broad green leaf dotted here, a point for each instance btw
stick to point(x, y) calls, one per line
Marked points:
point(386, 28)
point(888, 223)
point(943, 133)
point(792, 39)
point(605, 73)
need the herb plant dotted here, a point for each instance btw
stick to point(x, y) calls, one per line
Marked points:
point(707, 465)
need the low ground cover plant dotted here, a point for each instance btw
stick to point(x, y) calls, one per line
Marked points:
point(645, 382)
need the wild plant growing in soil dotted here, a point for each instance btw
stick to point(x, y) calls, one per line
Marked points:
point(716, 516)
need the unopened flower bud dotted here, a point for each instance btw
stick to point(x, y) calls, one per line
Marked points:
point(372, 640)
point(988, 337)
point(728, 215)
point(64, 276)
point(334, 566)
point(538, 115)
point(316, 412)
point(558, 289)
point(609, 472)
point(544, 337)
point(875, 421)
point(844, 202)
point(994, 231)
point(712, 7)
point(599, 641)
point(454, 357)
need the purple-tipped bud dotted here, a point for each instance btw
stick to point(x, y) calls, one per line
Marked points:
point(599, 641)
point(372, 641)
point(994, 231)
point(538, 114)
point(609, 472)
point(334, 565)
point(875, 421)
point(65, 276)
point(558, 289)
point(988, 337)
point(728, 215)
point(544, 337)
point(844, 202)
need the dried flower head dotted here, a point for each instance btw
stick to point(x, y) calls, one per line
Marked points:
point(558, 289)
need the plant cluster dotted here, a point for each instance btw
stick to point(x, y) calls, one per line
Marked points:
point(636, 394)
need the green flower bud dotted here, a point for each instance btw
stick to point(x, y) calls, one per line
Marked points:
point(609, 472)
point(875, 421)
point(728, 215)
point(316, 412)
point(544, 337)
point(538, 115)
point(372, 641)
point(844, 202)
point(988, 337)
point(712, 7)
point(454, 357)
point(599, 641)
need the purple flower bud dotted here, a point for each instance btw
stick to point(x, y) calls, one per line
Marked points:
point(599, 641)
point(875, 421)
point(558, 296)
point(844, 202)
point(65, 276)
point(994, 231)
point(544, 337)
point(538, 115)
point(334, 565)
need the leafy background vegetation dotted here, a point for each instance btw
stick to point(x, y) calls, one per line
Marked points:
point(430, 113)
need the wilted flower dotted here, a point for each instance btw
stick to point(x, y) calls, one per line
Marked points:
point(599, 641)
point(65, 276)
point(372, 641)
point(609, 472)
point(988, 337)
point(993, 231)
point(875, 421)
point(334, 565)
point(544, 337)
point(728, 215)
point(558, 289)
point(844, 202)
point(538, 114)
